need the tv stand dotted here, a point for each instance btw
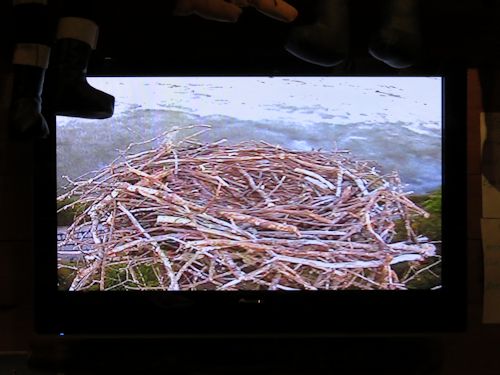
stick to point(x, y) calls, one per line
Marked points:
point(352, 355)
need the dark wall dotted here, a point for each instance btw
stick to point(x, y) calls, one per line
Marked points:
point(454, 32)
point(16, 202)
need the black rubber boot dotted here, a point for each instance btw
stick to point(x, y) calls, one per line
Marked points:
point(31, 35)
point(325, 42)
point(398, 42)
point(73, 95)
point(25, 117)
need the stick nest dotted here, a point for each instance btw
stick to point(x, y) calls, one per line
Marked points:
point(250, 216)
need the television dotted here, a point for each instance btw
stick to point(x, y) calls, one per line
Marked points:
point(255, 205)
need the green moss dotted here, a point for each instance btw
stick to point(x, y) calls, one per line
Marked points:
point(115, 274)
point(430, 227)
point(431, 202)
point(147, 275)
point(67, 216)
point(426, 279)
point(65, 277)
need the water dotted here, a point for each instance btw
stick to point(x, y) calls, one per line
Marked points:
point(395, 121)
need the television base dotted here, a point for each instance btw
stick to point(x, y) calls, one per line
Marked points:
point(352, 355)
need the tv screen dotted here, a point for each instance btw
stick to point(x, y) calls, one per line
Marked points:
point(255, 183)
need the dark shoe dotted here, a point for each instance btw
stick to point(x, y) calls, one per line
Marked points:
point(25, 117)
point(73, 95)
point(398, 42)
point(325, 42)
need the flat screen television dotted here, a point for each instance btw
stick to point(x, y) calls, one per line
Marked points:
point(255, 205)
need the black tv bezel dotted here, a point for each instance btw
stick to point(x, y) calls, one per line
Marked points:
point(261, 313)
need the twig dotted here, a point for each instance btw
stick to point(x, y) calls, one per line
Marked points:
point(166, 262)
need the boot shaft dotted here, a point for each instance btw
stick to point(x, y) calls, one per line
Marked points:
point(28, 82)
point(71, 56)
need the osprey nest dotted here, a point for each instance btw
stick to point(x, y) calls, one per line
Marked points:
point(249, 216)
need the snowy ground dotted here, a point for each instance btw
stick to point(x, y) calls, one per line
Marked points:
point(395, 121)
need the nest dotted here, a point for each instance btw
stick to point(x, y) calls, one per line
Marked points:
point(249, 216)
